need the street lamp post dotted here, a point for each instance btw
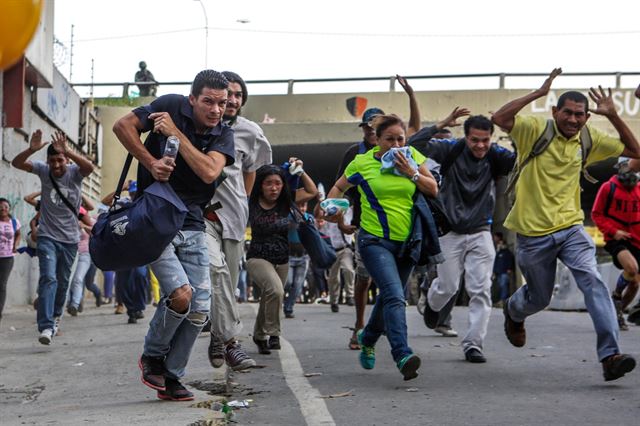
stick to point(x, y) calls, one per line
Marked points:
point(206, 34)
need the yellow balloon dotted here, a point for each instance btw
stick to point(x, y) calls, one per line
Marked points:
point(18, 21)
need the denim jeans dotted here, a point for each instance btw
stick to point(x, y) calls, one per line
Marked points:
point(172, 334)
point(83, 276)
point(242, 284)
point(109, 277)
point(55, 259)
point(134, 284)
point(537, 258)
point(445, 312)
point(503, 281)
point(295, 281)
point(390, 275)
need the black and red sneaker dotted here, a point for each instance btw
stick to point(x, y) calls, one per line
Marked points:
point(153, 370)
point(175, 391)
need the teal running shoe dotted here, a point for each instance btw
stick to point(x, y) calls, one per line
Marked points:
point(367, 353)
point(408, 366)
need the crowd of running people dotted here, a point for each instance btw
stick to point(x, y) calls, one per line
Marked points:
point(395, 179)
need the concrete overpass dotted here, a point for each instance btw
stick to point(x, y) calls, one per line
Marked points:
point(319, 127)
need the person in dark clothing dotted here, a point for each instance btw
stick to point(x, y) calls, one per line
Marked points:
point(206, 147)
point(133, 284)
point(503, 266)
point(145, 76)
point(468, 167)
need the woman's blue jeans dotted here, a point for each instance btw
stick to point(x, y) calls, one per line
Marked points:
point(390, 275)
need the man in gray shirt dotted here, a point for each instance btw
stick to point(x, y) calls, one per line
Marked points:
point(468, 167)
point(58, 233)
point(226, 219)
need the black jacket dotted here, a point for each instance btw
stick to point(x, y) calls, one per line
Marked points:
point(468, 188)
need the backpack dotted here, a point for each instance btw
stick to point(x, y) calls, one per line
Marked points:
point(541, 145)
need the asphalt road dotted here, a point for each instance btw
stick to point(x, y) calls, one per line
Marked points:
point(90, 376)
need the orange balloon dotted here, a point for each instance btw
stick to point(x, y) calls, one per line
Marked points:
point(18, 21)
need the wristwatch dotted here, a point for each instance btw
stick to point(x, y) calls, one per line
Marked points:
point(415, 177)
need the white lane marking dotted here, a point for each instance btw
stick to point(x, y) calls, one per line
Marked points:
point(313, 408)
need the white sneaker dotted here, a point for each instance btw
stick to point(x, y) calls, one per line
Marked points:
point(446, 331)
point(46, 336)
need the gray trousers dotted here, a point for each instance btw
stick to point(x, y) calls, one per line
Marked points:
point(473, 255)
point(224, 269)
point(344, 263)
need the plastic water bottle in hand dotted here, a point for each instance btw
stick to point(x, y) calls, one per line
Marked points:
point(321, 194)
point(171, 148)
point(331, 206)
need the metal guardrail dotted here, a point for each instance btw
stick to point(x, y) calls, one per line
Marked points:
point(392, 80)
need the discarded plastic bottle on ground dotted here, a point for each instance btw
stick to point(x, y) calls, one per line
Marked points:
point(171, 148)
point(227, 411)
point(331, 206)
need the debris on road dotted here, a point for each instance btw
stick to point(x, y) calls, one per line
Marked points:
point(337, 395)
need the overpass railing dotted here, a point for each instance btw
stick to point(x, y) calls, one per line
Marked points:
point(290, 83)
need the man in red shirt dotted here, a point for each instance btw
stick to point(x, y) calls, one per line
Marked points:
point(616, 212)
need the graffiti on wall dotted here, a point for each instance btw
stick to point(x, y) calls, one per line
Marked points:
point(61, 104)
point(23, 281)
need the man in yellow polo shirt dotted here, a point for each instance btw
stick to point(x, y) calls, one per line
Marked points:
point(548, 218)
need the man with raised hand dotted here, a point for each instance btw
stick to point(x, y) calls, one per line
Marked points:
point(547, 215)
point(468, 169)
point(58, 233)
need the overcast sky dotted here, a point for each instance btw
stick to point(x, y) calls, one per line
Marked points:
point(316, 39)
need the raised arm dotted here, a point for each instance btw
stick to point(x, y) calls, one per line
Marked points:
point(505, 116)
point(414, 110)
point(59, 142)
point(35, 144)
point(309, 190)
point(605, 107)
point(420, 139)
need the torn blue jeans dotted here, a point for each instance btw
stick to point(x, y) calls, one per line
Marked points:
point(172, 334)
